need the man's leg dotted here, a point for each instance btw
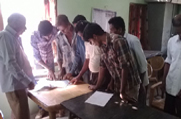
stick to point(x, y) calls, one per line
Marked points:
point(178, 107)
point(18, 102)
point(142, 95)
point(169, 104)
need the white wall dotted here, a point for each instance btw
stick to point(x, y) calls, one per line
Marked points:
point(5, 108)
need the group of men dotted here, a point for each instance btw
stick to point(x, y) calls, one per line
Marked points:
point(107, 61)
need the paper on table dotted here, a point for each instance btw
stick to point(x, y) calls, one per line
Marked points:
point(99, 98)
point(51, 84)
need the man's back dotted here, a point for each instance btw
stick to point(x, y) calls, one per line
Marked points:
point(136, 48)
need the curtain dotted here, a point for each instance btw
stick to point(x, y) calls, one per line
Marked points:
point(138, 23)
point(1, 21)
point(50, 10)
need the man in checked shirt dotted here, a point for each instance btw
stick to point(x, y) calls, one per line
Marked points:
point(117, 58)
point(41, 42)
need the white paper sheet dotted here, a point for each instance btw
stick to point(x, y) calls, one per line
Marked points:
point(51, 84)
point(99, 98)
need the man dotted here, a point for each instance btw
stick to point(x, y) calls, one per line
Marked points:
point(117, 58)
point(117, 26)
point(172, 69)
point(71, 49)
point(92, 61)
point(15, 71)
point(77, 19)
point(41, 42)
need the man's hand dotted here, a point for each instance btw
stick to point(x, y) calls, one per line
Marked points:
point(51, 75)
point(74, 80)
point(31, 86)
point(92, 87)
point(61, 74)
point(126, 98)
point(110, 86)
point(67, 76)
point(179, 94)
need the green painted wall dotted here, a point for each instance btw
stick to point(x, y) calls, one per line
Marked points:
point(73, 7)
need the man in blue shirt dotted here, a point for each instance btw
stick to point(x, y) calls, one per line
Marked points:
point(71, 49)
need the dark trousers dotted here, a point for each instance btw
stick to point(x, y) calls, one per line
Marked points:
point(142, 96)
point(173, 105)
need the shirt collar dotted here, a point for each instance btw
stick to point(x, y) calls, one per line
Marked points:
point(11, 30)
point(125, 35)
point(178, 39)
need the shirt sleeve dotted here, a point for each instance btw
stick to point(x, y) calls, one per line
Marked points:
point(87, 55)
point(77, 58)
point(36, 52)
point(7, 48)
point(59, 51)
point(169, 56)
point(102, 64)
point(139, 55)
point(123, 52)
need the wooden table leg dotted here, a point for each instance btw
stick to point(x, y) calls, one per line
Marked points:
point(70, 115)
point(52, 115)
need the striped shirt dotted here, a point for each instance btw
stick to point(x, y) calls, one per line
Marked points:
point(42, 48)
point(114, 56)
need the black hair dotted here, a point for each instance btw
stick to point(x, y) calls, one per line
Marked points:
point(176, 22)
point(78, 18)
point(92, 29)
point(81, 26)
point(117, 22)
point(45, 28)
point(62, 20)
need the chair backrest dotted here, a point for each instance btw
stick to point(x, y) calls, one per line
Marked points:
point(156, 63)
point(150, 70)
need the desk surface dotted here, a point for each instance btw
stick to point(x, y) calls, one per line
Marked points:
point(112, 110)
point(50, 100)
point(150, 53)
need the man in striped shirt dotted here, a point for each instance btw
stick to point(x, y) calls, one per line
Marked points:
point(117, 58)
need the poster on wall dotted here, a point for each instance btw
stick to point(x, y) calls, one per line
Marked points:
point(102, 17)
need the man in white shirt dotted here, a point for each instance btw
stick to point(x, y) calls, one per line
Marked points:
point(92, 61)
point(172, 71)
point(117, 26)
point(15, 71)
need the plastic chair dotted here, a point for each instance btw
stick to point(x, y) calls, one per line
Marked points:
point(157, 64)
point(153, 102)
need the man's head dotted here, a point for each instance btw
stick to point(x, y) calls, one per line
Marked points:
point(63, 24)
point(176, 21)
point(117, 25)
point(94, 33)
point(80, 27)
point(77, 19)
point(17, 22)
point(45, 28)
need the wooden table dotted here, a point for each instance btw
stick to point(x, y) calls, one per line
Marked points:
point(150, 53)
point(112, 110)
point(50, 100)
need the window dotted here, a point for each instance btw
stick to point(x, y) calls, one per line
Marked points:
point(34, 11)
